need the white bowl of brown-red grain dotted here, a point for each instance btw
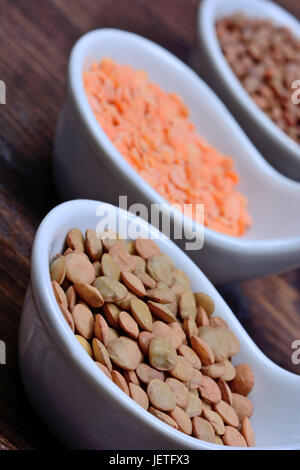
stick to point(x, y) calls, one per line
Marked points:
point(86, 163)
point(279, 149)
point(84, 408)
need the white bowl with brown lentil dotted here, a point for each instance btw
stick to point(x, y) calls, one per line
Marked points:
point(87, 164)
point(149, 365)
point(260, 41)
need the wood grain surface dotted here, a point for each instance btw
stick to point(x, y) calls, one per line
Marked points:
point(36, 38)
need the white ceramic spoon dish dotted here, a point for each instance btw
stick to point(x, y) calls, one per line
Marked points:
point(81, 405)
point(86, 164)
point(280, 150)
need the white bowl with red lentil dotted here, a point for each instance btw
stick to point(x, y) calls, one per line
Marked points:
point(76, 396)
point(248, 230)
point(246, 48)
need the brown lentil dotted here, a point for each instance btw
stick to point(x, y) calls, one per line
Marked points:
point(180, 361)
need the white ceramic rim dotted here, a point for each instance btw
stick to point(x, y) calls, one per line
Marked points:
point(206, 21)
point(57, 328)
point(100, 140)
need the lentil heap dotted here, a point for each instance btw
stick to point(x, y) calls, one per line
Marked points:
point(152, 131)
point(266, 59)
point(135, 315)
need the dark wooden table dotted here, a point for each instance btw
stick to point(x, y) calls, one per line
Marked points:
point(37, 37)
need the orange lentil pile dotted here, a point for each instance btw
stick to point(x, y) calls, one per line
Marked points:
point(152, 130)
